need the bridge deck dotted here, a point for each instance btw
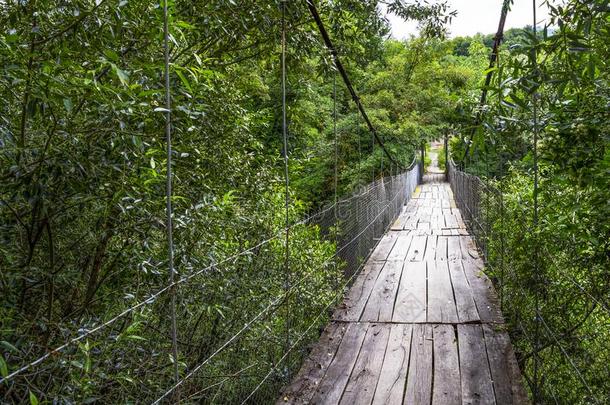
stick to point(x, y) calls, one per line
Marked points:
point(420, 325)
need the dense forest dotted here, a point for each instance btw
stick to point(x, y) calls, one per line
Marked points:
point(83, 169)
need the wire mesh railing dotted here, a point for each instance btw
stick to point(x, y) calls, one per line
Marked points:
point(232, 347)
point(558, 319)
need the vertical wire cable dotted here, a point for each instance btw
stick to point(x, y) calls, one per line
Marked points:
point(373, 155)
point(501, 195)
point(287, 185)
point(537, 359)
point(336, 178)
point(168, 191)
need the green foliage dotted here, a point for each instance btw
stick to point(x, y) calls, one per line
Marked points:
point(567, 88)
point(82, 183)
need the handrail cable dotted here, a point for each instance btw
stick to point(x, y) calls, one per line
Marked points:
point(286, 173)
point(492, 62)
point(168, 191)
point(539, 316)
point(155, 295)
point(333, 51)
point(182, 280)
point(272, 304)
point(338, 292)
point(536, 267)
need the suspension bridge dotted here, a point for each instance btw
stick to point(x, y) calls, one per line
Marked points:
point(421, 323)
point(412, 316)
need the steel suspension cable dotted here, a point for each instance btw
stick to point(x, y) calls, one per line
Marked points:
point(275, 302)
point(537, 277)
point(327, 41)
point(286, 180)
point(168, 190)
point(492, 62)
point(336, 176)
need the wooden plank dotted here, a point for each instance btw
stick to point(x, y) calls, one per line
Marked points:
point(464, 300)
point(352, 306)
point(431, 247)
point(390, 387)
point(401, 247)
point(441, 248)
point(423, 225)
point(419, 379)
point(468, 247)
point(380, 305)
point(441, 304)
point(332, 385)
point(399, 224)
point(507, 382)
point(476, 384)
point(304, 385)
point(385, 245)
point(450, 219)
point(410, 303)
point(453, 248)
point(483, 292)
point(361, 385)
point(447, 389)
point(417, 249)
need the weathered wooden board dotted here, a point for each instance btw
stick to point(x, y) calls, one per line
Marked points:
point(401, 247)
point(410, 303)
point(417, 249)
point(431, 247)
point(363, 380)
point(441, 248)
point(385, 245)
point(483, 292)
point(441, 304)
point(508, 387)
point(476, 382)
point(391, 384)
point(380, 305)
point(419, 379)
point(306, 381)
point(353, 305)
point(447, 389)
point(464, 300)
point(332, 385)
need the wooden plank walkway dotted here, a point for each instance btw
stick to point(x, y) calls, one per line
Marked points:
point(420, 325)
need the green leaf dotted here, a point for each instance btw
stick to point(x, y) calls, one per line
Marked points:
point(3, 367)
point(33, 399)
point(184, 80)
point(68, 104)
point(8, 346)
point(121, 74)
